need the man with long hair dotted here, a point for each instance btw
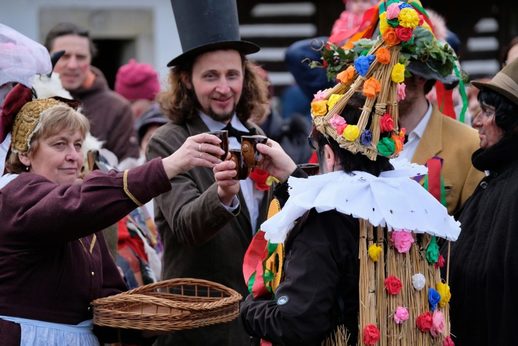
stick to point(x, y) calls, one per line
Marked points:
point(205, 226)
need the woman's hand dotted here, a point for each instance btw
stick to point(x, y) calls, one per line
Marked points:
point(200, 150)
point(275, 160)
point(228, 187)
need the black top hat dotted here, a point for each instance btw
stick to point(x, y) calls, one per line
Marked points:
point(206, 25)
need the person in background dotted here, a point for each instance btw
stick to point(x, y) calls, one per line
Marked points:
point(483, 264)
point(110, 115)
point(290, 133)
point(510, 52)
point(206, 227)
point(310, 80)
point(54, 260)
point(139, 245)
point(139, 84)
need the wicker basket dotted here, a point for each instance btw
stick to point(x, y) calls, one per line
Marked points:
point(168, 305)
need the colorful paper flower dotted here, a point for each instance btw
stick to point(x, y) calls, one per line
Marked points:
point(437, 323)
point(351, 132)
point(383, 55)
point(398, 143)
point(347, 75)
point(402, 240)
point(408, 17)
point(386, 123)
point(393, 11)
point(401, 314)
point(398, 73)
point(371, 87)
point(386, 147)
point(433, 298)
point(424, 322)
point(374, 252)
point(320, 95)
point(444, 291)
point(362, 64)
point(390, 37)
point(432, 251)
point(333, 99)
point(404, 34)
point(371, 334)
point(448, 341)
point(401, 91)
point(366, 137)
point(440, 262)
point(393, 285)
point(383, 24)
point(418, 281)
point(338, 123)
point(319, 108)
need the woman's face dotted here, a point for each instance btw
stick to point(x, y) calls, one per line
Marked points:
point(58, 158)
point(488, 131)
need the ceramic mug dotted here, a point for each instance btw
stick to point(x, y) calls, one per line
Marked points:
point(223, 135)
point(249, 149)
point(241, 168)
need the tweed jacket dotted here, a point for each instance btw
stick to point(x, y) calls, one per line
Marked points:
point(454, 142)
point(202, 239)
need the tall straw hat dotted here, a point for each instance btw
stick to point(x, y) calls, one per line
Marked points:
point(505, 82)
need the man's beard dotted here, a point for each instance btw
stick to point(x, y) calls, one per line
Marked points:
point(221, 117)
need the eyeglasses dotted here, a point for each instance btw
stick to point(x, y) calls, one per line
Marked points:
point(487, 110)
point(312, 139)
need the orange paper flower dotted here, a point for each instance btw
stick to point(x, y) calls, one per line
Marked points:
point(371, 87)
point(390, 37)
point(383, 55)
point(346, 76)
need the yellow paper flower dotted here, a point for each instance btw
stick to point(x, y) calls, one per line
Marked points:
point(408, 18)
point(333, 99)
point(351, 132)
point(347, 75)
point(398, 73)
point(444, 291)
point(374, 252)
point(384, 25)
point(319, 108)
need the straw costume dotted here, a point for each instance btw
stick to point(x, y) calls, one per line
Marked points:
point(352, 258)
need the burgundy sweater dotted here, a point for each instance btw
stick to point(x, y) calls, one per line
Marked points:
point(46, 269)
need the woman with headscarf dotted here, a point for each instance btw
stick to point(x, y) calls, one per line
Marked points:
point(53, 258)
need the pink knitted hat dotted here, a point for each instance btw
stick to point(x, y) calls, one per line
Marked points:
point(137, 81)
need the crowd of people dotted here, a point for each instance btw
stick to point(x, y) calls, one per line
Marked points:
point(106, 190)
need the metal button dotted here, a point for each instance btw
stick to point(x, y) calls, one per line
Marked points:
point(483, 185)
point(93, 273)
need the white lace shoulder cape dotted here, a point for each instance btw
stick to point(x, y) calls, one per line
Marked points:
point(393, 199)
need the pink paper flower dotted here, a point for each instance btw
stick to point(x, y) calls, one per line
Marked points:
point(401, 91)
point(402, 240)
point(320, 95)
point(437, 323)
point(393, 11)
point(401, 315)
point(448, 341)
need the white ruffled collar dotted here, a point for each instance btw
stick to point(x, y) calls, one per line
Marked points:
point(393, 199)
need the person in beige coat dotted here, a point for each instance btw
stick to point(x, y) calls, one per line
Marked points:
point(438, 141)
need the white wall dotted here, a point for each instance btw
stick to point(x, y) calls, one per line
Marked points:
point(23, 15)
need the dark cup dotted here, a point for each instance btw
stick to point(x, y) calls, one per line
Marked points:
point(249, 149)
point(309, 168)
point(223, 135)
point(241, 168)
